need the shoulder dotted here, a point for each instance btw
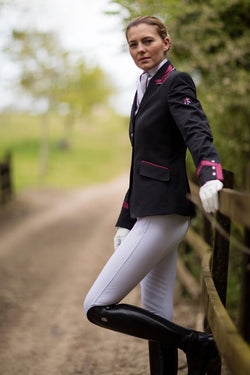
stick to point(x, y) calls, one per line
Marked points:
point(179, 83)
point(176, 77)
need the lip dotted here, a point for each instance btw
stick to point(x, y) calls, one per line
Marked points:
point(144, 59)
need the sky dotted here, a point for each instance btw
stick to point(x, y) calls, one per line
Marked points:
point(82, 27)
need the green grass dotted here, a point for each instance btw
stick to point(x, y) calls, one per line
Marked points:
point(99, 149)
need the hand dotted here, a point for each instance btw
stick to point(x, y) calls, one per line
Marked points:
point(209, 195)
point(121, 233)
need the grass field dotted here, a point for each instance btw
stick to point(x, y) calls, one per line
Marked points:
point(99, 149)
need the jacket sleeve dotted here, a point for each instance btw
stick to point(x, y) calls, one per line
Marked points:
point(192, 122)
point(124, 219)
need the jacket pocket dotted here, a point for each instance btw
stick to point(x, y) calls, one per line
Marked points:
point(155, 171)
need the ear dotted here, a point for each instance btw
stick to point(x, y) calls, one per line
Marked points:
point(167, 43)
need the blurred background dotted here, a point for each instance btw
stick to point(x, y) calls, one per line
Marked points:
point(67, 83)
point(66, 86)
point(66, 89)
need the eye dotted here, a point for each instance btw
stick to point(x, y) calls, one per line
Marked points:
point(132, 45)
point(148, 41)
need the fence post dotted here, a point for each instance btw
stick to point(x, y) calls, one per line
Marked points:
point(5, 178)
point(244, 314)
point(219, 267)
point(244, 321)
point(221, 247)
point(207, 232)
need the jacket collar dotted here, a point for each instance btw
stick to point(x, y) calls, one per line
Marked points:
point(154, 83)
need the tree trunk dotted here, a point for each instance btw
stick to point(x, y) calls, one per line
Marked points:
point(44, 146)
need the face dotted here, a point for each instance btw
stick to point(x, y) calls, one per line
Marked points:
point(146, 47)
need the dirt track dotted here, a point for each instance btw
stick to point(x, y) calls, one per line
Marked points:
point(52, 246)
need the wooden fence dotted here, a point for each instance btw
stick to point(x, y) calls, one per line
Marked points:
point(5, 179)
point(213, 249)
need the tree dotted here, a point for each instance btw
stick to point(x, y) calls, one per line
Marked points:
point(216, 47)
point(82, 88)
point(210, 41)
point(54, 82)
point(41, 62)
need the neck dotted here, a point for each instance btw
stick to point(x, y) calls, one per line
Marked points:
point(154, 70)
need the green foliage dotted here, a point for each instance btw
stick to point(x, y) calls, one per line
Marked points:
point(144, 7)
point(216, 47)
point(48, 72)
point(42, 63)
point(100, 149)
point(82, 88)
point(52, 78)
point(211, 41)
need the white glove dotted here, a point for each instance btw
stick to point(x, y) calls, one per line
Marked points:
point(121, 233)
point(209, 195)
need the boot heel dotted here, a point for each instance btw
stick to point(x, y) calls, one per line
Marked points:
point(200, 349)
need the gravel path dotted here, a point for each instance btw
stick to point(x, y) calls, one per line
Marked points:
point(52, 246)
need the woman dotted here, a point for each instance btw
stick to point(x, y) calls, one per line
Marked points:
point(166, 118)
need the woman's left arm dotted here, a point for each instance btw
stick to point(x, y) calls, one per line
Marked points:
point(193, 124)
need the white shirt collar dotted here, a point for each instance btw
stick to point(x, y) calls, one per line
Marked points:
point(154, 70)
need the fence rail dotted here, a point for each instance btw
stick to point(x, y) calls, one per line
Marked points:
point(213, 249)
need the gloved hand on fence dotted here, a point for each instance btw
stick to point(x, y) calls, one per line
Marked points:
point(209, 195)
point(121, 233)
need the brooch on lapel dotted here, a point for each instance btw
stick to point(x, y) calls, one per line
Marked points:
point(162, 79)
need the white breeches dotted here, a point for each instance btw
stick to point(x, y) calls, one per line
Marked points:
point(148, 256)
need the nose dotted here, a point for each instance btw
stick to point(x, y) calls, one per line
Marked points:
point(141, 47)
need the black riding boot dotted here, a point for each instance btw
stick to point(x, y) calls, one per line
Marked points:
point(163, 359)
point(198, 346)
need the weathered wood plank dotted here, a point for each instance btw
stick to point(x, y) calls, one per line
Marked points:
point(197, 243)
point(236, 205)
point(233, 204)
point(232, 347)
point(234, 350)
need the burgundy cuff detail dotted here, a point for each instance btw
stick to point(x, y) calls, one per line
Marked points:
point(125, 205)
point(218, 168)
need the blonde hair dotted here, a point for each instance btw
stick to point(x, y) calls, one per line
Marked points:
point(152, 21)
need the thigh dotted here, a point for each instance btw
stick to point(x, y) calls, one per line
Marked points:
point(157, 287)
point(140, 251)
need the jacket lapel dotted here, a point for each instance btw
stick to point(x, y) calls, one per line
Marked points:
point(132, 118)
point(154, 83)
